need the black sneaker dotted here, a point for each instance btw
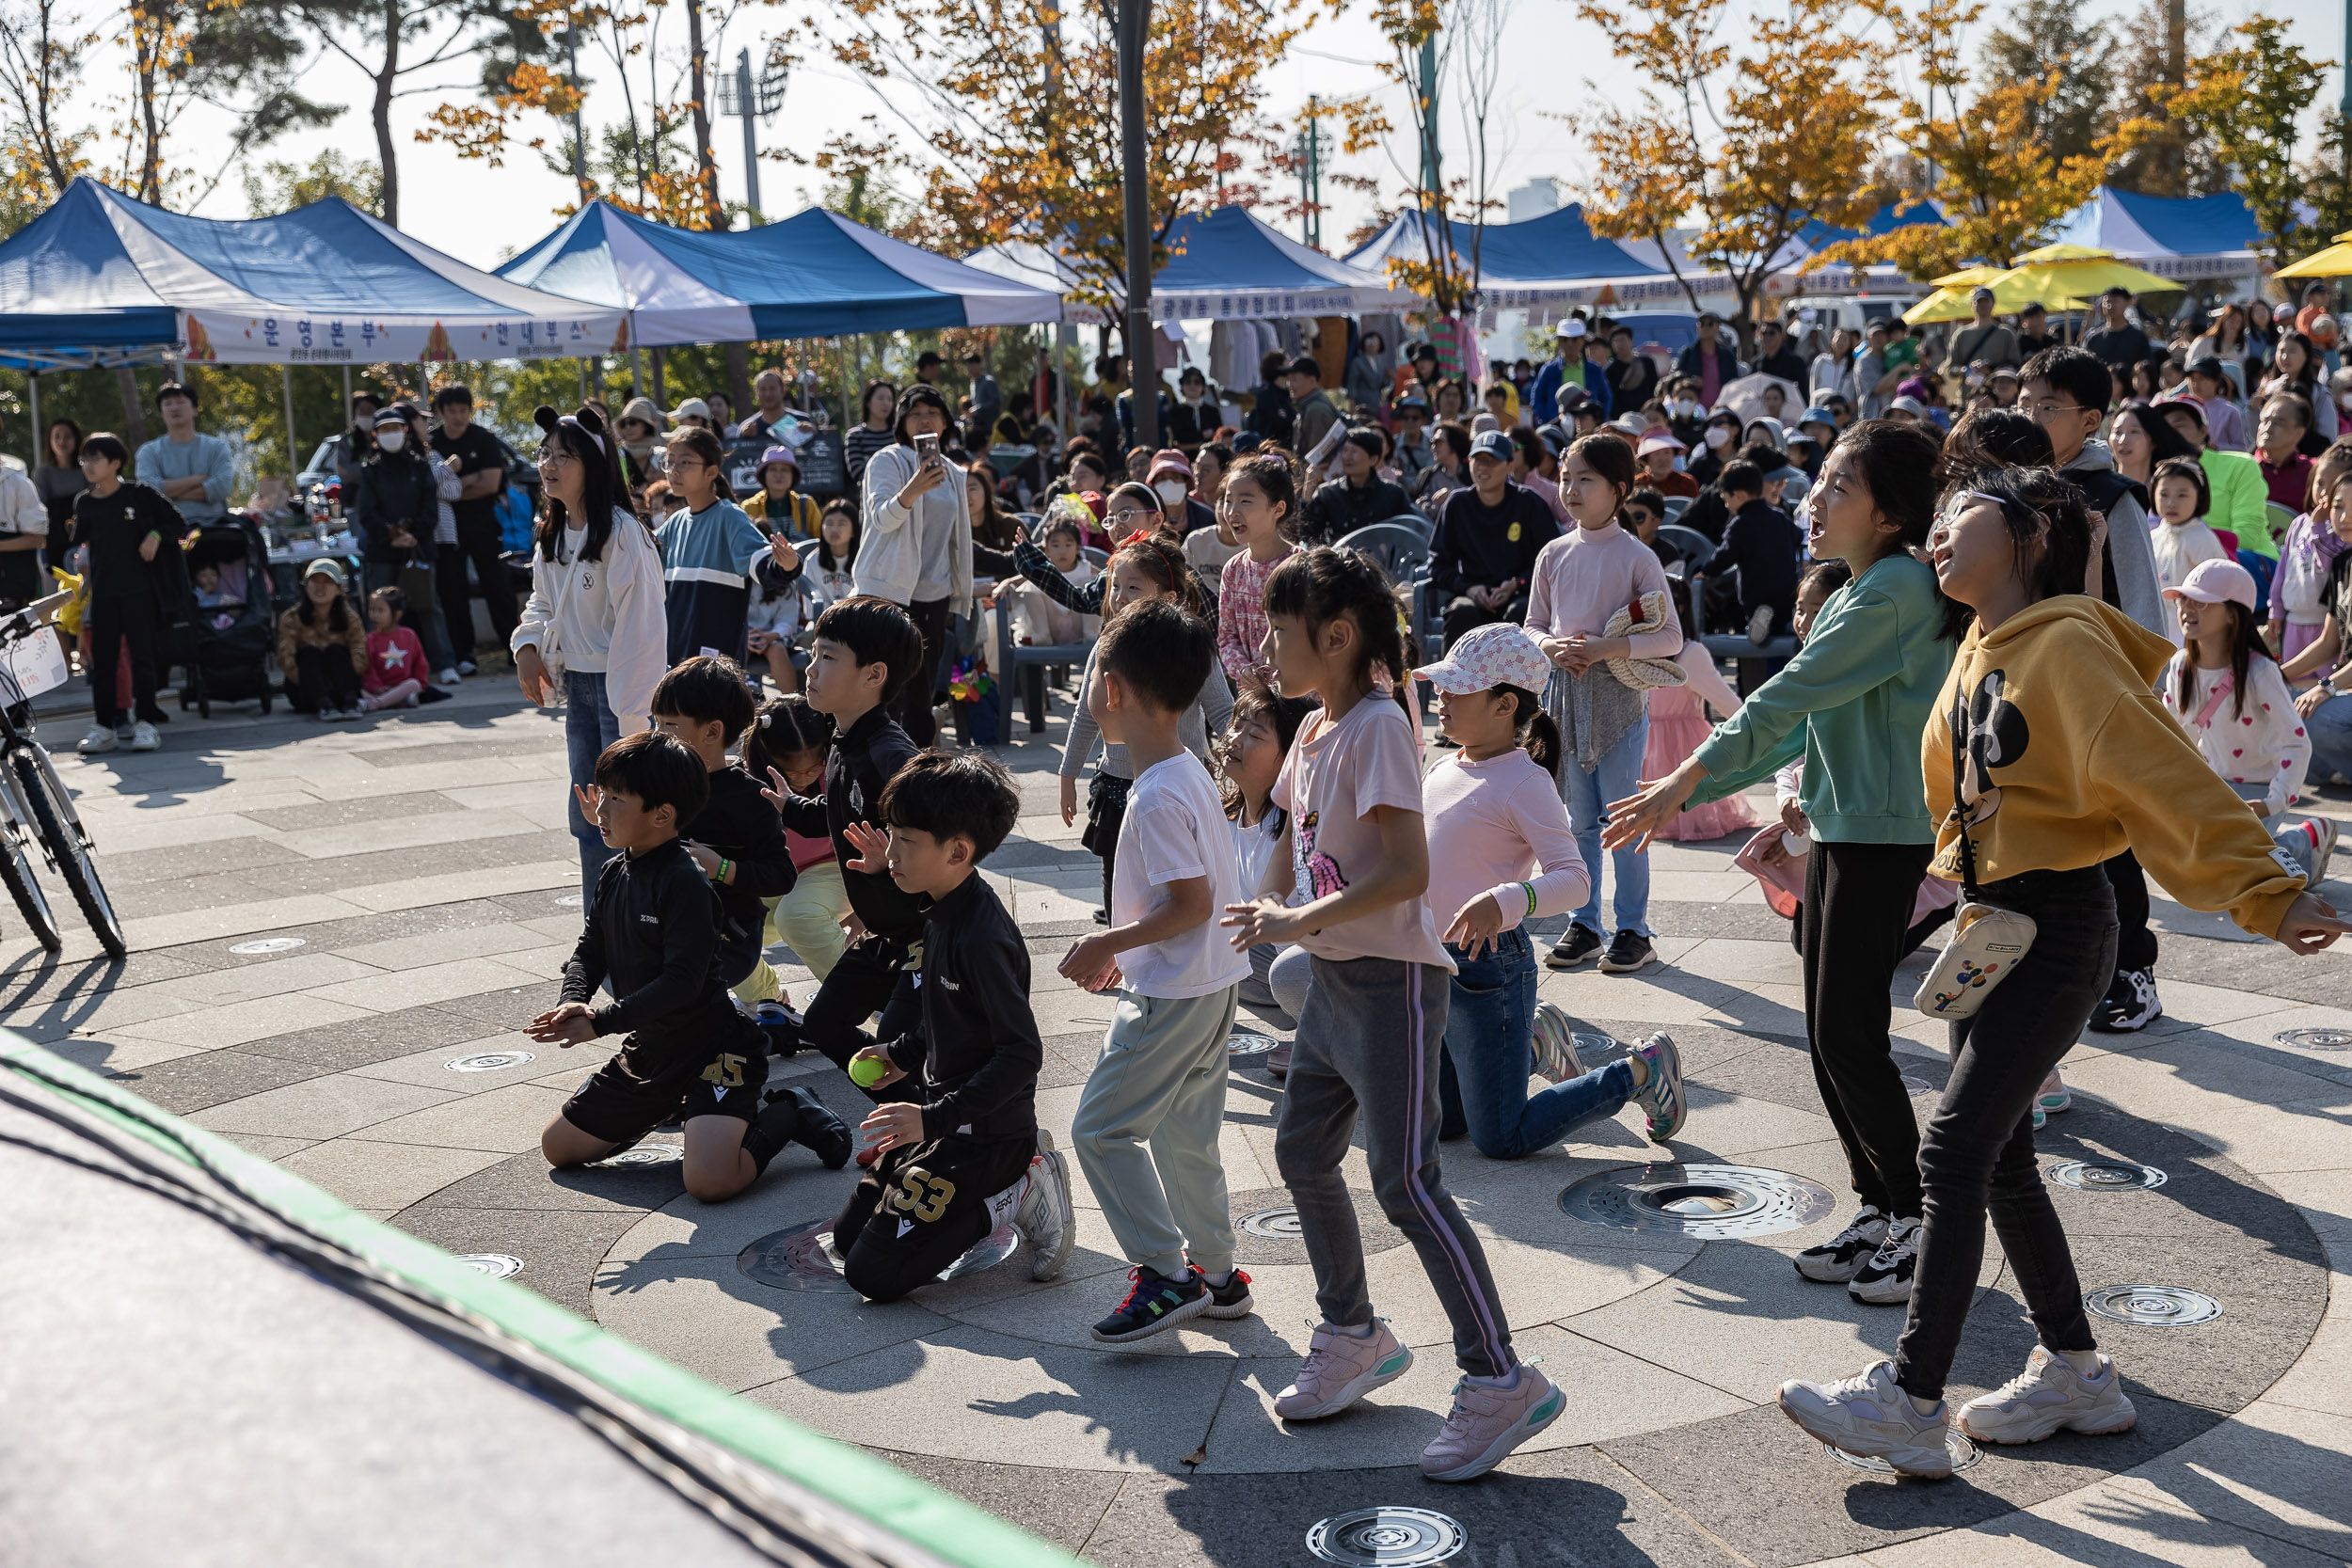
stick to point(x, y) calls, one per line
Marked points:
point(1885, 1279)
point(1230, 1299)
point(782, 1026)
point(1581, 943)
point(2130, 1004)
point(1838, 1260)
point(1629, 952)
point(817, 1129)
point(1102, 917)
point(1153, 1305)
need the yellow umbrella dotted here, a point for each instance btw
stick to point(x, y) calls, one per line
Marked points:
point(2334, 262)
point(1947, 304)
point(1968, 277)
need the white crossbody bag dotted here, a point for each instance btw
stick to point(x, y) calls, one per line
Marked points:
point(1987, 942)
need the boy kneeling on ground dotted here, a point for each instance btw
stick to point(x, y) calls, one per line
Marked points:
point(964, 1154)
point(652, 929)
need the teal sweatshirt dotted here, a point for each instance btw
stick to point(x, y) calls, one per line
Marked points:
point(1854, 703)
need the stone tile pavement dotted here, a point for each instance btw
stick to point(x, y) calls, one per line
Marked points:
point(415, 890)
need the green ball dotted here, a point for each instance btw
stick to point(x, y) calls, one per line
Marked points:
point(866, 1072)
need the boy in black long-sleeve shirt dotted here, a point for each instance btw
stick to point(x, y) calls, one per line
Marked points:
point(1763, 545)
point(738, 837)
point(133, 537)
point(651, 932)
point(960, 1149)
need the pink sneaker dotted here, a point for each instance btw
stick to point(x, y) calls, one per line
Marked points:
point(1487, 1423)
point(1340, 1370)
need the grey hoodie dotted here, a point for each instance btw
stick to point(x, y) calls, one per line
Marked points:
point(2128, 547)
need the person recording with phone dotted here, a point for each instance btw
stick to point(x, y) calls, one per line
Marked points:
point(915, 544)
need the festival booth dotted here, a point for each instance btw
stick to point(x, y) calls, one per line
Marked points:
point(2204, 239)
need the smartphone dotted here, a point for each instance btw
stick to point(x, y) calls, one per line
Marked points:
point(927, 447)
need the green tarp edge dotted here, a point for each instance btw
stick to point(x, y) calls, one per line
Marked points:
point(948, 1527)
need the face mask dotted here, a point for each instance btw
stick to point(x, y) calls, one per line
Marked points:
point(1171, 491)
point(1718, 438)
point(393, 439)
point(1685, 408)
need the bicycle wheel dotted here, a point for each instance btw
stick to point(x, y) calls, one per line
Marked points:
point(60, 829)
point(16, 870)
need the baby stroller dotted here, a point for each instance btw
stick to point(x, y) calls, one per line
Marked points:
point(229, 643)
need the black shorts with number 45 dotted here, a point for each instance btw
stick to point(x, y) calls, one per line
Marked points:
point(651, 1083)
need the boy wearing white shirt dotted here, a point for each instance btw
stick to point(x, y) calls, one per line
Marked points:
point(1147, 1126)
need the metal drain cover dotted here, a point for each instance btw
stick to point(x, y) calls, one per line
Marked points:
point(644, 1154)
point(1386, 1538)
point(2152, 1306)
point(1711, 1203)
point(1242, 1042)
point(2107, 1176)
point(2311, 1039)
point(269, 944)
point(488, 1061)
point(1279, 1223)
point(1963, 1452)
point(1916, 1086)
point(498, 1265)
point(803, 1258)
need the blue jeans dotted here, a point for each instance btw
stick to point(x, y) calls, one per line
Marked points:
point(1489, 1051)
point(589, 726)
point(2330, 727)
point(1587, 795)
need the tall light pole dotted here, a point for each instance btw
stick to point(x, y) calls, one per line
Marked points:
point(1309, 147)
point(1143, 380)
point(752, 99)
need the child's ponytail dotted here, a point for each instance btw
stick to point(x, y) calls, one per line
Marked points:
point(1533, 728)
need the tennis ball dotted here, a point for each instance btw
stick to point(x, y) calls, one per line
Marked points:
point(866, 1072)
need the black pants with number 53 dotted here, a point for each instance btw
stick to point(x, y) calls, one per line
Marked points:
point(917, 1209)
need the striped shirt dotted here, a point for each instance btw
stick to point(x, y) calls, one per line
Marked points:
point(706, 561)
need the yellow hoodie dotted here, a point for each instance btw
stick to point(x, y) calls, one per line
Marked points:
point(2072, 759)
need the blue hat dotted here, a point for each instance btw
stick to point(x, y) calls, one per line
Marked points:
point(1249, 440)
point(1817, 416)
point(1492, 443)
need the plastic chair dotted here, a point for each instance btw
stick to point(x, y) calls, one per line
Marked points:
point(2281, 519)
point(1413, 520)
point(1397, 548)
point(1676, 507)
point(1695, 547)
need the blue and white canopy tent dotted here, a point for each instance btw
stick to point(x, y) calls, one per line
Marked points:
point(2198, 238)
point(100, 279)
point(1228, 264)
point(816, 274)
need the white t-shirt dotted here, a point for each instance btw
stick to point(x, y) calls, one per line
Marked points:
point(1254, 847)
point(1176, 830)
point(1334, 778)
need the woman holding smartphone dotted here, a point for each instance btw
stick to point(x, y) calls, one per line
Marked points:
point(916, 546)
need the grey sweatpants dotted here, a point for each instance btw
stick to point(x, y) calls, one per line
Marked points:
point(1146, 1132)
point(1367, 1046)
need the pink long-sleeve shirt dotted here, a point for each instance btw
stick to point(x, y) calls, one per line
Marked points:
point(1586, 576)
point(1490, 824)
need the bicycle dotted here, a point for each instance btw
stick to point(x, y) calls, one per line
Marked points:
point(35, 805)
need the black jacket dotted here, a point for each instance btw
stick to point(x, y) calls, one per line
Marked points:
point(1337, 509)
point(864, 758)
point(977, 1052)
point(1763, 545)
point(1472, 546)
point(652, 931)
point(743, 827)
point(396, 490)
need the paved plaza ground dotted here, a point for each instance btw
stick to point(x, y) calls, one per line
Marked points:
point(422, 862)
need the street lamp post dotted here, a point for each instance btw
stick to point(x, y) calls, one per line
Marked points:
point(1135, 22)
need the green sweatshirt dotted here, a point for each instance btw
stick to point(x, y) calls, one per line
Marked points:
point(1854, 703)
point(2241, 499)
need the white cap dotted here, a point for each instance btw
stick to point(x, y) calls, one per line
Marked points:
point(1572, 327)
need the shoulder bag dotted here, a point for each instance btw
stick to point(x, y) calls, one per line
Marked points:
point(1987, 942)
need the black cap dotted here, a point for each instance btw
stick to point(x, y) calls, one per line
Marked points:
point(929, 359)
point(1306, 365)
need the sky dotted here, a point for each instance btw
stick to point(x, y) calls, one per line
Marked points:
point(482, 215)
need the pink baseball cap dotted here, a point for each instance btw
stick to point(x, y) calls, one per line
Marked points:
point(1657, 440)
point(1488, 656)
point(2213, 581)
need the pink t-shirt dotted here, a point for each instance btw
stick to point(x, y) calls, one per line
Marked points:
point(1335, 776)
point(1490, 824)
point(393, 657)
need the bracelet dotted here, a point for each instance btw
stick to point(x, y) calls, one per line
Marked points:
point(1529, 888)
point(725, 866)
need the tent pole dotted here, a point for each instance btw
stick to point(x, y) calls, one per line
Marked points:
point(841, 351)
point(41, 437)
point(346, 392)
point(636, 371)
point(293, 455)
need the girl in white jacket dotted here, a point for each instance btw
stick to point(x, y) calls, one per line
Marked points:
point(594, 639)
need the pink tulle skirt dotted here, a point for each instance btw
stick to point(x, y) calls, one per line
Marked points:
point(1676, 726)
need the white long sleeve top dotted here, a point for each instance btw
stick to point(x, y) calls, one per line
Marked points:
point(604, 616)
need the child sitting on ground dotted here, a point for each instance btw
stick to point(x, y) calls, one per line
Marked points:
point(2181, 538)
point(651, 934)
point(789, 738)
point(1036, 619)
point(736, 837)
point(958, 1150)
point(783, 602)
point(394, 676)
point(1146, 1132)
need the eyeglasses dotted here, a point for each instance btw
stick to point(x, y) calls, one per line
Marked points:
point(552, 457)
point(2047, 410)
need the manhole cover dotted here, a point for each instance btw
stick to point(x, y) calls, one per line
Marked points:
point(1240, 1042)
point(1281, 1223)
point(1710, 1203)
point(269, 944)
point(1963, 1452)
point(1916, 1086)
point(2312, 1039)
point(571, 900)
point(1386, 1538)
point(2107, 1176)
point(498, 1265)
point(487, 1061)
point(803, 1258)
point(1266, 1229)
point(2152, 1306)
point(644, 1154)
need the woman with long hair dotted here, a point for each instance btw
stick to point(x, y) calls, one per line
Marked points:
point(879, 405)
point(2045, 748)
point(60, 480)
point(915, 548)
point(2297, 367)
point(2138, 438)
point(1859, 692)
point(594, 638)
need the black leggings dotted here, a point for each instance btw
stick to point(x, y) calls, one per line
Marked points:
point(2135, 943)
point(124, 623)
point(870, 976)
point(323, 678)
point(1854, 928)
point(1978, 1150)
point(915, 703)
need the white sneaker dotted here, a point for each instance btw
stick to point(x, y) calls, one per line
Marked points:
point(2326, 828)
point(1760, 626)
point(100, 738)
point(143, 736)
point(1885, 1279)
point(451, 678)
point(1839, 1258)
point(2049, 1396)
point(1869, 1415)
point(1045, 1214)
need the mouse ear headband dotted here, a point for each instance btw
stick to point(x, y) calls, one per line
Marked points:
point(585, 421)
